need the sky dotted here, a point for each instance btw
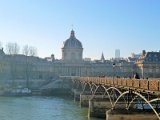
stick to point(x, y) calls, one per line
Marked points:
point(101, 25)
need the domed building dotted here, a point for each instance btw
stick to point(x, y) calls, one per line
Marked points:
point(72, 50)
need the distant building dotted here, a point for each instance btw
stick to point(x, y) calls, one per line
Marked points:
point(134, 57)
point(102, 58)
point(149, 64)
point(117, 54)
point(51, 59)
point(87, 59)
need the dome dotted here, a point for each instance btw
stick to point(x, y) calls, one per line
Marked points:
point(72, 42)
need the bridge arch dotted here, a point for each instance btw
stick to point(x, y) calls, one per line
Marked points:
point(114, 89)
point(86, 86)
point(94, 91)
point(106, 91)
point(110, 94)
point(137, 95)
point(93, 88)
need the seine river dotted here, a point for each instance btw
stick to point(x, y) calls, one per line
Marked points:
point(41, 108)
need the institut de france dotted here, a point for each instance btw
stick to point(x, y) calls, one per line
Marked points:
point(18, 68)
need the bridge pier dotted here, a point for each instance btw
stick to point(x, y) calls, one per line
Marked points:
point(123, 114)
point(76, 94)
point(98, 106)
point(84, 99)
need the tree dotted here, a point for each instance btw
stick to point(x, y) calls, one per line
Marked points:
point(32, 51)
point(26, 50)
point(12, 48)
point(29, 51)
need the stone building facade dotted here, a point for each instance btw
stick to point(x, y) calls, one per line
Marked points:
point(34, 71)
point(148, 65)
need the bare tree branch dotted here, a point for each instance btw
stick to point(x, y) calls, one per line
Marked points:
point(26, 50)
point(32, 51)
point(29, 50)
point(12, 48)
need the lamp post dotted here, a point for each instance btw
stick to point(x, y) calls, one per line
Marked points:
point(133, 70)
point(114, 70)
point(132, 74)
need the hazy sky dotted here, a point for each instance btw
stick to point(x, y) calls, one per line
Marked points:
point(101, 25)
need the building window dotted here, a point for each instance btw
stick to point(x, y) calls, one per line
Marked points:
point(157, 70)
point(150, 70)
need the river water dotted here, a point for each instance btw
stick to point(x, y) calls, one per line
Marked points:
point(41, 108)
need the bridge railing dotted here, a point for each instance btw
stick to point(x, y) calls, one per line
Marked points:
point(136, 83)
point(154, 85)
point(145, 84)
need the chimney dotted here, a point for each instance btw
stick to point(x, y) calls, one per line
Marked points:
point(143, 52)
point(52, 57)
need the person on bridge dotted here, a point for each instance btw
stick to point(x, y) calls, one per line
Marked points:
point(136, 76)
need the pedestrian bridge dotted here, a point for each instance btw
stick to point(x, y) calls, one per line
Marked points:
point(142, 93)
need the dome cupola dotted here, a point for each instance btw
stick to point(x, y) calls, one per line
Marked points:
point(72, 42)
point(72, 50)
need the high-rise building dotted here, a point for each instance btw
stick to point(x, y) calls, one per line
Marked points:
point(117, 53)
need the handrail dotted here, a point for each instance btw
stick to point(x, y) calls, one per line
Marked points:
point(146, 84)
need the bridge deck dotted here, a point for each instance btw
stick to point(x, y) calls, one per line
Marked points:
point(143, 85)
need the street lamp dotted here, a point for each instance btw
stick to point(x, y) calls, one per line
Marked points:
point(114, 70)
point(133, 70)
point(132, 73)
